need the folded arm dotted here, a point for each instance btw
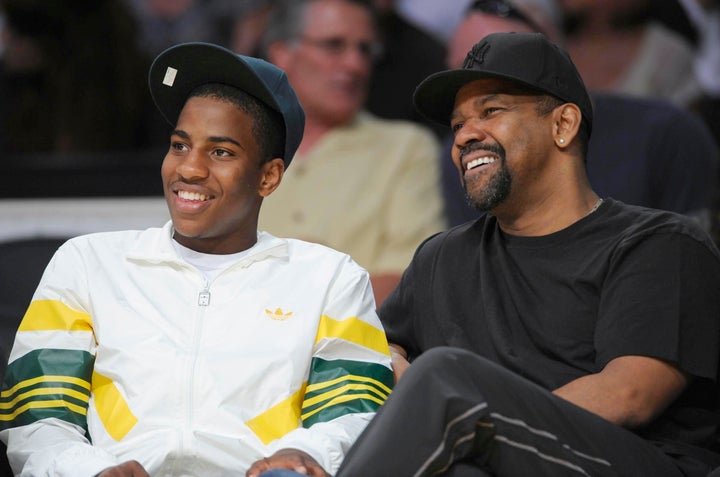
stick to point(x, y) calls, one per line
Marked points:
point(630, 391)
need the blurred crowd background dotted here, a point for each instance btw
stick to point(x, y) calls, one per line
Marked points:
point(76, 118)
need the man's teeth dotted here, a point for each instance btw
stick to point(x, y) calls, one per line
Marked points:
point(187, 195)
point(479, 161)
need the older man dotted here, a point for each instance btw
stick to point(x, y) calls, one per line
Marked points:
point(560, 334)
point(365, 186)
point(644, 151)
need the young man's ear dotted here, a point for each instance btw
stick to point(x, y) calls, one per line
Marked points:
point(271, 174)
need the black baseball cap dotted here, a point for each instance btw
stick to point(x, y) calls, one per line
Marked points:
point(182, 68)
point(529, 59)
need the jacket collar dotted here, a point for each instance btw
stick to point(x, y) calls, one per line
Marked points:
point(154, 246)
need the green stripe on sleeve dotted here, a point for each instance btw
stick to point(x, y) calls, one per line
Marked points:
point(339, 387)
point(47, 383)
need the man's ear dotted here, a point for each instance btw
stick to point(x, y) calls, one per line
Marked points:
point(566, 124)
point(271, 174)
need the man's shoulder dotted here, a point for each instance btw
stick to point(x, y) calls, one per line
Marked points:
point(632, 223)
point(458, 239)
point(318, 254)
point(118, 241)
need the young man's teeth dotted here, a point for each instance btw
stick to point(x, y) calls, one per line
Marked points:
point(480, 161)
point(183, 194)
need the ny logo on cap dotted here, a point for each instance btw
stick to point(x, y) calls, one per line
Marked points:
point(477, 54)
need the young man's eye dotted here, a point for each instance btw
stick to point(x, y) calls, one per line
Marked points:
point(177, 146)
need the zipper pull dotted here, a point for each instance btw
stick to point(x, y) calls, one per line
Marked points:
point(204, 298)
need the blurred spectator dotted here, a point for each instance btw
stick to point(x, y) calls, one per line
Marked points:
point(439, 18)
point(617, 46)
point(673, 15)
point(72, 78)
point(705, 16)
point(366, 186)
point(245, 22)
point(409, 55)
point(642, 151)
point(164, 23)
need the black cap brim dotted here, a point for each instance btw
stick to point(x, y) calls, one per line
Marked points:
point(177, 71)
point(434, 97)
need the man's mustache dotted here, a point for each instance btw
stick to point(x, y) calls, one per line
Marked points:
point(479, 146)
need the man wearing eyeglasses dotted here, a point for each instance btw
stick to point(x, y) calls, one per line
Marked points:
point(362, 185)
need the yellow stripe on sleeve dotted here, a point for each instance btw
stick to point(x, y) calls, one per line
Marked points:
point(348, 377)
point(44, 379)
point(113, 410)
point(43, 405)
point(342, 390)
point(355, 331)
point(47, 315)
point(42, 392)
point(342, 399)
point(279, 419)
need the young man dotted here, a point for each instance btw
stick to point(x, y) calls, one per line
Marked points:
point(561, 334)
point(204, 347)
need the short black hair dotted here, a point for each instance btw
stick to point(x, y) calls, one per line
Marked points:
point(268, 127)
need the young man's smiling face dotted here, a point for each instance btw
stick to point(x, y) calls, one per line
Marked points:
point(212, 177)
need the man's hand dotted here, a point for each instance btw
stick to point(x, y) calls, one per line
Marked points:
point(126, 469)
point(292, 459)
point(398, 355)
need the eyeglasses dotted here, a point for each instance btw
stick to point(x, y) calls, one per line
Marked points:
point(336, 46)
point(503, 9)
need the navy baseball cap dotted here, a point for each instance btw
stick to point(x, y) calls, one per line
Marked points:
point(529, 59)
point(182, 68)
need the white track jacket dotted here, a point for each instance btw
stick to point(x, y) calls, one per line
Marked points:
point(127, 353)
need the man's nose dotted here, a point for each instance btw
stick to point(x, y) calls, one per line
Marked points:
point(193, 167)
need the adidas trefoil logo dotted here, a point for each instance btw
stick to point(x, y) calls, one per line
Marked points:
point(278, 314)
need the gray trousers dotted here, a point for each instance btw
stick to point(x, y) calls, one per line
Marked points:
point(457, 414)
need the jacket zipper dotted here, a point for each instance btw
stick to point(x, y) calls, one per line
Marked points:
point(203, 302)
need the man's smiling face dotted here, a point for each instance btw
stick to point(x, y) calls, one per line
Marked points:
point(500, 141)
point(212, 177)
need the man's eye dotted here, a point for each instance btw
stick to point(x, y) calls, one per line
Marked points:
point(177, 146)
point(222, 153)
point(335, 45)
point(489, 111)
point(456, 127)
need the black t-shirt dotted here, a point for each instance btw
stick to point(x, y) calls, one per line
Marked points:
point(624, 280)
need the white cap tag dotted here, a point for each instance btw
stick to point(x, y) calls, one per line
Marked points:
point(170, 74)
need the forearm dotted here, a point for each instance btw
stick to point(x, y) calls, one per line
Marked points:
point(630, 392)
point(400, 363)
point(589, 393)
